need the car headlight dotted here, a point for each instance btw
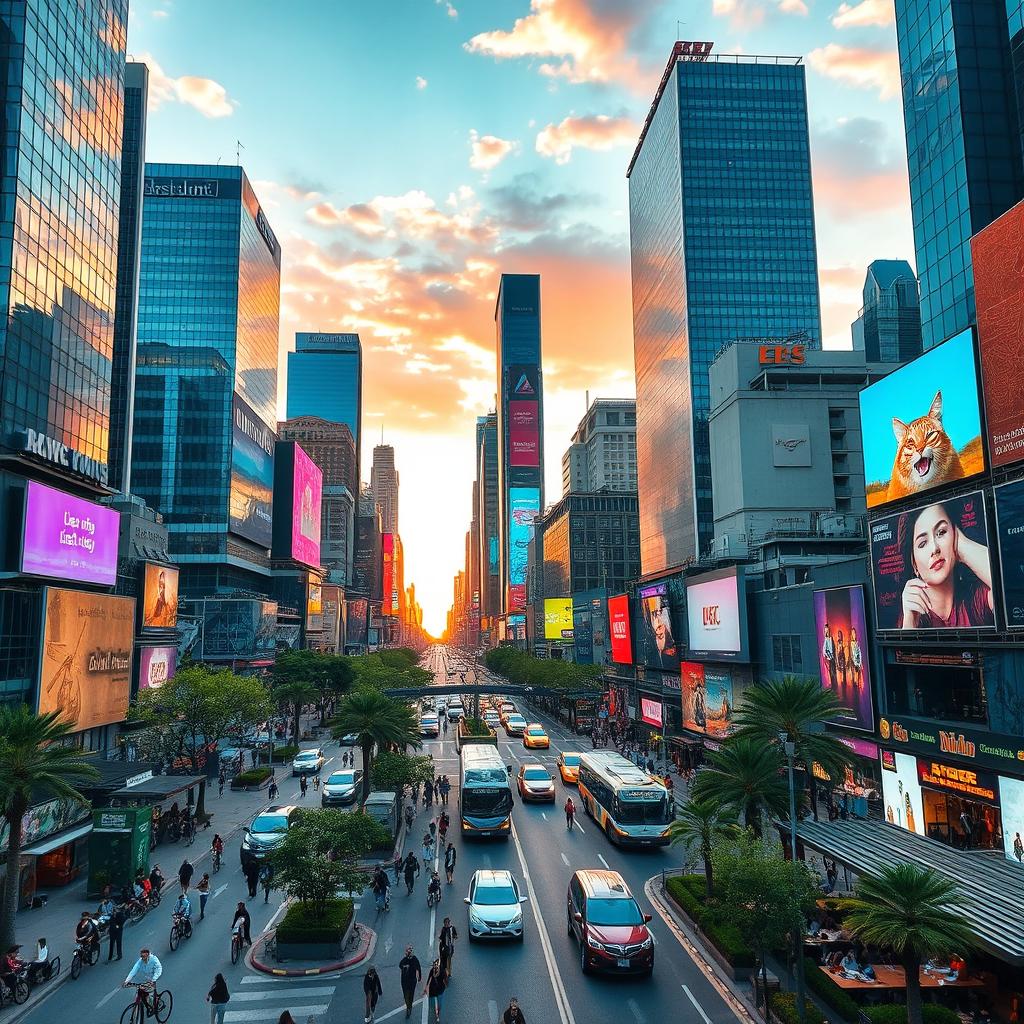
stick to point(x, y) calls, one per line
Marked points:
point(593, 943)
point(647, 943)
point(517, 918)
point(476, 919)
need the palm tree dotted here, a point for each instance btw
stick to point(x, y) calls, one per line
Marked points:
point(745, 775)
point(795, 709)
point(378, 720)
point(915, 913)
point(699, 823)
point(34, 765)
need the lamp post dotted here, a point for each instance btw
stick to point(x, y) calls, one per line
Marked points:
point(790, 747)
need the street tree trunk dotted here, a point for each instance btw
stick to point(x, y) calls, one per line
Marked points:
point(12, 880)
point(912, 968)
point(709, 870)
point(366, 745)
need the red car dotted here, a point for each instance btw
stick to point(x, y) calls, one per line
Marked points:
point(609, 924)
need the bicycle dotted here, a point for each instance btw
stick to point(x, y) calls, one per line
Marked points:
point(84, 954)
point(181, 928)
point(433, 898)
point(355, 938)
point(236, 947)
point(216, 861)
point(137, 1010)
point(14, 987)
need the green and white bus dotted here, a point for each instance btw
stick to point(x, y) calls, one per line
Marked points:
point(485, 793)
point(631, 807)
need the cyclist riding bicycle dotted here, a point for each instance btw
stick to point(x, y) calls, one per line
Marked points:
point(218, 848)
point(86, 932)
point(144, 975)
point(434, 890)
point(182, 908)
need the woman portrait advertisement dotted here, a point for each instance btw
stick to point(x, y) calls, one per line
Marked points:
point(949, 574)
point(661, 648)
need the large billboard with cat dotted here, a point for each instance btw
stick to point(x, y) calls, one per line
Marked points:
point(932, 567)
point(921, 425)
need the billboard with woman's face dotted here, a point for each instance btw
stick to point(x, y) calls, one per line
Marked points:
point(659, 646)
point(932, 567)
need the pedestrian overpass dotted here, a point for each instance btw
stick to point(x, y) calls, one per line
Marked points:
point(506, 689)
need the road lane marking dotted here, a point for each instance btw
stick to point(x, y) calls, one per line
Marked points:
point(219, 890)
point(300, 990)
point(274, 1012)
point(565, 860)
point(106, 999)
point(600, 857)
point(492, 1012)
point(696, 1005)
point(394, 1013)
point(579, 826)
point(634, 1009)
point(544, 815)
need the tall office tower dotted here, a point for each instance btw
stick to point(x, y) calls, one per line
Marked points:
point(384, 483)
point(126, 303)
point(206, 375)
point(722, 242)
point(520, 430)
point(963, 142)
point(602, 455)
point(473, 570)
point(888, 327)
point(487, 515)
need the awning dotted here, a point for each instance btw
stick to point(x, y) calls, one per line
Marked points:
point(114, 775)
point(988, 886)
point(160, 787)
point(53, 842)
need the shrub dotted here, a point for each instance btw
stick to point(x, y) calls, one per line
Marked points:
point(689, 892)
point(896, 1013)
point(285, 753)
point(784, 1009)
point(475, 727)
point(300, 924)
point(252, 777)
point(826, 989)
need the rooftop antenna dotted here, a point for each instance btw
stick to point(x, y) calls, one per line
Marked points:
point(679, 28)
point(586, 400)
point(238, 152)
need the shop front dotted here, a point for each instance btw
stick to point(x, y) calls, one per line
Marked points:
point(961, 805)
point(168, 798)
point(858, 793)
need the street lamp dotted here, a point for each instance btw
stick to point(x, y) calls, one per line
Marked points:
point(790, 748)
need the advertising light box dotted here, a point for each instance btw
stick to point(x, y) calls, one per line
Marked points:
point(307, 494)
point(716, 614)
point(708, 699)
point(159, 597)
point(68, 538)
point(156, 666)
point(524, 507)
point(619, 631)
point(657, 640)
point(251, 499)
point(1010, 530)
point(840, 620)
point(651, 712)
point(558, 618)
point(901, 791)
point(524, 433)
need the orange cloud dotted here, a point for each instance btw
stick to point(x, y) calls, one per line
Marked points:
point(858, 170)
point(867, 12)
point(748, 14)
point(488, 150)
point(595, 131)
point(861, 67)
point(210, 98)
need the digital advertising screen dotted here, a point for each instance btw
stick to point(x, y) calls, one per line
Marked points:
point(159, 596)
point(651, 712)
point(524, 433)
point(558, 618)
point(523, 507)
point(314, 608)
point(656, 639)
point(1011, 802)
point(843, 664)
point(931, 567)
point(251, 501)
point(901, 791)
point(68, 538)
point(921, 425)
point(619, 630)
point(716, 613)
point(1010, 531)
point(307, 494)
point(156, 666)
point(86, 664)
point(388, 573)
point(583, 635)
point(708, 698)
point(357, 621)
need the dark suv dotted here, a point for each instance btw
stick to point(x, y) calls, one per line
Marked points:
point(609, 924)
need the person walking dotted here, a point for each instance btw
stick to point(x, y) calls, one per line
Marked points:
point(570, 813)
point(286, 1018)
point(185, 873)
point(203, 888)
point(373, 991)
point(218, 997)
point(115, 933)
point(411, 869)
point(252, 875)
point(428, 794)
point(446, 945)
point(450, 856)
point(266, 879)
point(437, 982)
point(446, 788)
point(412, 975)
point(272, 791)
point(513, 1015)
point(303, 785)
point(428, 849)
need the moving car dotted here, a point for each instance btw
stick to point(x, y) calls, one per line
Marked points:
point(308, 762)
point(350, 739)
point(569, 767)
point(535, 738)
point(430, 725)
point(515, 725)
point(608, 924)
point(492, 719)
point(341, 788)
point(495, 910)
point(535, 783)
point(266, 832)
point(455, 711)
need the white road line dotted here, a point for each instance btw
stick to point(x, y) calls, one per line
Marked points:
point(579, 826)
point(300, 990)
point(634, 1008)
point(394, 1013)
point(544, 815)
point(696, 1005)
point(262, 979)
point(492, 1012)
point(273, 1014)
point(106, 999)
point(565, 860)
point(219, 890)
point(600, 857)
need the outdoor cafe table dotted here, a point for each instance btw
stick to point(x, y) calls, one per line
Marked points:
point(895, 977)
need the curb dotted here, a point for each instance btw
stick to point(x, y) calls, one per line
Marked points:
point(363, 953)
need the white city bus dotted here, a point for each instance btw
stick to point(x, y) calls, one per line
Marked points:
point(632, 808)
point(485, 794)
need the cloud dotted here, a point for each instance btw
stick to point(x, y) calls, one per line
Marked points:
point(748, 14)
point(210, 98)
point(488, 150)
point(861, 67)
point(159, 14)
point(421, 82)
point(523, 206)
point(594, 131)
point(867, 12)
point(449, 8)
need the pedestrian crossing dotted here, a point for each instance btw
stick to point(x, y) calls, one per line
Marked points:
point(259, 997)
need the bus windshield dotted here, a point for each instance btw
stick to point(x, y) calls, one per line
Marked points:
point(642, 812)
point(489, 802)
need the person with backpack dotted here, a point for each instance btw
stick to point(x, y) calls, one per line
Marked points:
point(410, 869)
point(450, 856)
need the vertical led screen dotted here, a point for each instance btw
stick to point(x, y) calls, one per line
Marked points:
point(1011, 802)
point(619, 631)
point(583, 635)
point(524, 507)
point(1010, 530)
point(839, 618)
point(159, 597)
point(252, 475)
point(523, 433)
point(708, 698)
point(307, 494)
point(156, 666)
point(388, 571)
point(901, 791)
point(657, 641)
point(358, 614)
point(558, 618)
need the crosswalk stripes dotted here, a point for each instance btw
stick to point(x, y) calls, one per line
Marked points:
point(265, 998)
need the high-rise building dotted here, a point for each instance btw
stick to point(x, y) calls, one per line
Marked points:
point(384, 484)
point(602, 455)
point(206, 376)
point(520, 430)
point(723, 246)
point(888, 327)
point(963, 141)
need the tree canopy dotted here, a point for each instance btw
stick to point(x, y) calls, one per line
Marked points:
point(526, 670)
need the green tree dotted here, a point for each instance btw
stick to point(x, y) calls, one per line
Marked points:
point(394, 770)
point(915, 913)
point(327, 675)
point(35, 764)
point(527, 670)
point(379, 721)
point(700, 823)
point(291, 698)
point(745, 775)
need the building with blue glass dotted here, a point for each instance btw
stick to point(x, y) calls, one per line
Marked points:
point(723, 246)
point(206, 374)
point(960, 109)
point(888, 327)
point(487, 519)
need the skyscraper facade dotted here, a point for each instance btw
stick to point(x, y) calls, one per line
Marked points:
point(487, 516)
point(602, 455)
point(888, 329)
point(520, 430)
point(206, 375)
point(723, 246)
point(963, 141)
point(384, 484)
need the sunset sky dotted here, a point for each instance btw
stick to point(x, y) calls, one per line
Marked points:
point(409, 151)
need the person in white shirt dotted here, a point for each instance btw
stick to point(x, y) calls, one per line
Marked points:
point(146, 973)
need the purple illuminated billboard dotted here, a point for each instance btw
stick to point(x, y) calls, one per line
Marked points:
point(68, 538)
point(307, 491)
point(156, 666)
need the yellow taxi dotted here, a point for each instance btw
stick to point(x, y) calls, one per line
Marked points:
point(569, 767)
point(534, 737)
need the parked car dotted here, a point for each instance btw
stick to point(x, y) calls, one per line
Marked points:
point(266, 832)
point(495, 906)
point(534, 782)
point(341, 788)
point(308, 762)
point(608, 924)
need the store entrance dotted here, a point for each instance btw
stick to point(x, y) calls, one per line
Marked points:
point(960, 822)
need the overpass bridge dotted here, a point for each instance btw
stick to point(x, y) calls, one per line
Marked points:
point(485, 689)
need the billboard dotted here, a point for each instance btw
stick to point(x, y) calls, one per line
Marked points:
point(583, 635)
point(1010, 531)
point(355, 627)
point(68, 538)
point(619, 631)
point(1011, 802)
point(901, 791)
point(651, 712)
point(931, 567)
point(156, 666)
point(332, 614)
point(159, 597)
point(523, 433)
point(656, 642)
point(843, 663)
point(314, 608)
point(366, 561)
point(708, 698)
point(251, 502)
point(307, 495)
point(238, 628)
point(716, 613)
point(86, 664)
point(388, 585)
point(522, 382)
point(921, 425)
point(999, 298)
point(523, 509)
point(558, 618)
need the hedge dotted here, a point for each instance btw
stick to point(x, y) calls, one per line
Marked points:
point(689, 891)
point(896, 1013)
point(285, 753)
point(784, 1009)
point(825, 988)
point(475, 727)
point(252, 777)
point(301, 925)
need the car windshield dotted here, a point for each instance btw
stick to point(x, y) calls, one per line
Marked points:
point(613, 912)
point(495, 895)
point(341, 779)
point(536, 775)
point(535, 732)
point(571, 760)
point(643, 812)
point(270, 823)
point(516, 720)
point(307, 755)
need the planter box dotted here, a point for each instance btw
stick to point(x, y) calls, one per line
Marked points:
point(463, 740)
point(253, 788)
point(329, 951)
point(736, 973)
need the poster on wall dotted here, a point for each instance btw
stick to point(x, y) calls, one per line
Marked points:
point(86, 664)
point(558, 618)
point(931, 567)
point(252, 475)
point(716, 614)
point(921, 424)
point(618, 629)
point(843, 664)
point(651, 712)
point(156, 666)
point(1010, 531)
point(657, 642)
point(159, 597)
point(1011, 802)
point(524, 433)
point(708, 699)
point(524, 507)
point(901, 791)
point(307, 495)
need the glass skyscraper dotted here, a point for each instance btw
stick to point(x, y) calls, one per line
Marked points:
point(888, 329)
point(723, 246)
point(487, 513)
point(209, 303)
point(963, 141)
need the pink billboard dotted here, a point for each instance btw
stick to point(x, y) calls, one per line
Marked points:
point(523, 434)
point(307, 493)
point(156, 666)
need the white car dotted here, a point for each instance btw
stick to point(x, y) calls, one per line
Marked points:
point(492, 718)
point(455, 712)
point(430, 725)
point(495, 906)
point(308, 762)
